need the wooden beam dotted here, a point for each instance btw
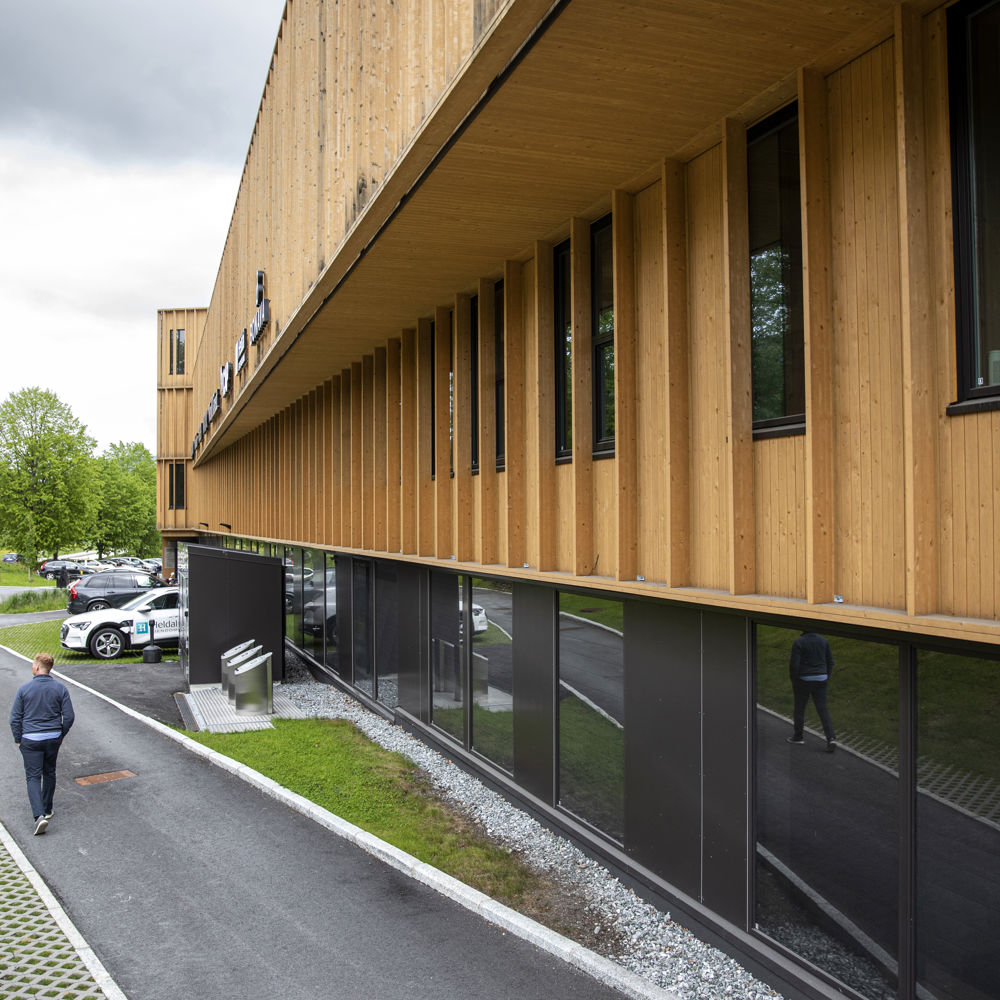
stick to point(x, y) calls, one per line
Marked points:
point(464, 527)
point(379, 445)
point(739, 408)
point(425, 430)
point(814, 172)
point(514, 411)
point(346, 482)
point(489, 549)
point(675, 310)
point(543, 504)
point(393, 431)
point(357, 457)
point(408, 449)
point(583, 412)
point(626, 429)
point(443, 402)
point(920, 431)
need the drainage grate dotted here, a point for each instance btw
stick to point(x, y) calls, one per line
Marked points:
point(99, 779)
point(213, 711)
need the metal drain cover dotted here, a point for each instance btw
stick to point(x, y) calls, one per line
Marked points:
point(97, 779)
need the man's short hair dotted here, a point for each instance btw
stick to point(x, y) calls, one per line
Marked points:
point(43, 661)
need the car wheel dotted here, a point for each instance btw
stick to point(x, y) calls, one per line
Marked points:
point(98, 606)
point(50, 576)
point(107, 643)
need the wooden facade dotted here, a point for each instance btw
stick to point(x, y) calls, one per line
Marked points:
point(413, 167)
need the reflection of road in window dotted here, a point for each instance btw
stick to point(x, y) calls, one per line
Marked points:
point(492, 675)
point(592, 711)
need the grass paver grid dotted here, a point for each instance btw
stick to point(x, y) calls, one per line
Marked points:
point(36, 957)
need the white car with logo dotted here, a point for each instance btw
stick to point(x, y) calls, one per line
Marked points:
point(112, 631)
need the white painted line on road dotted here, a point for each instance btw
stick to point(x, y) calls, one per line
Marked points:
point(94, 965)
point(596, 966)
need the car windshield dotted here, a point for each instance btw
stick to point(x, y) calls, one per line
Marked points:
point(136, 602)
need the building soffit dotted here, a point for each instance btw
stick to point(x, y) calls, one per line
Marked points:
point(558, 105)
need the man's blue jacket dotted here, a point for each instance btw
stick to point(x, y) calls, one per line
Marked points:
point(41, 705)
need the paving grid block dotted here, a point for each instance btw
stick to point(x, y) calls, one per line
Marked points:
point(36, 957)
point(212, 710)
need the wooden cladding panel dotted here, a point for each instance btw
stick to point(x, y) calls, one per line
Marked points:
point(867, 359)
point(780, 516)
point(707, 352)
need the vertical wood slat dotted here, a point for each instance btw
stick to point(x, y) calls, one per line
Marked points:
point(462, 514)
point(357, 456)
point(379, 448)
point(626, 430)
point(919, 370)
point(336, 484)
point(739, 450)
point(582, 410)
point(443, 488)
point(542, 506)
point(489, 527)
point(818, 324)
point(675, 286)
point(514, 389)
point(346, 481)
point(393, 437)
point(425, 431)
point(408, 448)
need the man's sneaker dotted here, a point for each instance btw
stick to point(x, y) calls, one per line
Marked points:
point(41, 825)
point(831, 746)
point(48, 815)
point(798, 740)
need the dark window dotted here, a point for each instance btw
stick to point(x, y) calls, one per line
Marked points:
point(474, 379)
point(180, 352)
point(777, 351)
point(498, 361)
point(602, 296)
point(974, 80)
point(562, 312)
point(175, 480)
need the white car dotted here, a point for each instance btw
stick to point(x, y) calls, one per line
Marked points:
point(479, 621)
point(111, 631)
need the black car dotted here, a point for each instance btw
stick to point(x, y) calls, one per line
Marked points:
point(110, 589)
point(51, 569)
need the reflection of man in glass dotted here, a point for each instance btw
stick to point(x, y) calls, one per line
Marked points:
point(810, 668)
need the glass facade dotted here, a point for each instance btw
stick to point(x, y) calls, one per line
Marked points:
point(313, 601)
point(591, 711)
point(447, 631)
point(293, 594)
point(493, 671)
point(362, 645)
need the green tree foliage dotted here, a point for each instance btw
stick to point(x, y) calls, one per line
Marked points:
point(46, 474)
point(126, 505)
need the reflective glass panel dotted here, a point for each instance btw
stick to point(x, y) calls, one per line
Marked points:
point(492, 671)
point(386, 635)
point(313, 602)
point(447, 675)
point(330, 657)
point(293, 594)
point(958, 827)
point(827, 820)
point(592, 711)
point(361, 626)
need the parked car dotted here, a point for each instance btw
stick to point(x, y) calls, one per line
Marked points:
point(11, 557)
point(128, 562)
point(94, 566)
point(51, 567)
point(110, 589)
point(479, 621)
point(108, 632)
point(319, 605)
point(152, 565)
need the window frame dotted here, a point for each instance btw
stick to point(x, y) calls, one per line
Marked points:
point(964, 168)
point(562, 318)
point(474, 382)
point(603, 443)
point(499, 374)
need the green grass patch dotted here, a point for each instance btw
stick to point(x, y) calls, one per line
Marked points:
point(594, 609)
point(493, 736)
point(16, 575)
point(333, 764)
point(43, 637)
point(591, 766)
point(493, 636)
point(38, 599)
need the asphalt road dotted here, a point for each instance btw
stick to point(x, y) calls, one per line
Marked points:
point(187, 882)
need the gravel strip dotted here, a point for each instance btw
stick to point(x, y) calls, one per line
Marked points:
point(657, 948)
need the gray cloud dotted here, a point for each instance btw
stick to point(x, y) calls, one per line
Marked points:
point(132, 82)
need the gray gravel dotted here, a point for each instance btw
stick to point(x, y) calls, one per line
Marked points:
point(657, 948)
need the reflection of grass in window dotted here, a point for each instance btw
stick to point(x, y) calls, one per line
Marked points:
point(484, 583)
point(493, 636)
point(591, 766)
point(493, 736)
point(958, 698)
point(451, 720)
point(594, 609)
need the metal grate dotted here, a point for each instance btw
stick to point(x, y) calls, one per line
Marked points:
point(212, 711)
point(36, 957)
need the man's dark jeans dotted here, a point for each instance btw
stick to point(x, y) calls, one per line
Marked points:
point(804, 690)
point(40, 772)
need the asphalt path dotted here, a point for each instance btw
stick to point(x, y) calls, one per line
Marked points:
point(590, 657)
point(187, 882)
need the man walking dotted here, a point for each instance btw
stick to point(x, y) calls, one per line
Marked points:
point(809, 669)
point(41, 716)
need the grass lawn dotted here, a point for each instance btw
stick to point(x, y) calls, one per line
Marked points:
point(38, 599)
point(16, 575)
point(594, 609)
point(333, 764)
point(43, 637)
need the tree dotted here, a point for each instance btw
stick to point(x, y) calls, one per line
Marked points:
point(46, 474)
point(126, 507)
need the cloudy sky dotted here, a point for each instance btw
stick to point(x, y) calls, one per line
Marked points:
point(123, 130)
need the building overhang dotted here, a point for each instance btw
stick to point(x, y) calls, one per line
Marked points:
point(558, 105)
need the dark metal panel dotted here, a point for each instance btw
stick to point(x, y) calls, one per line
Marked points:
point(725, 754)
point(535, 646)
point(663, 741)
point(232, 596)
point(410, 629)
